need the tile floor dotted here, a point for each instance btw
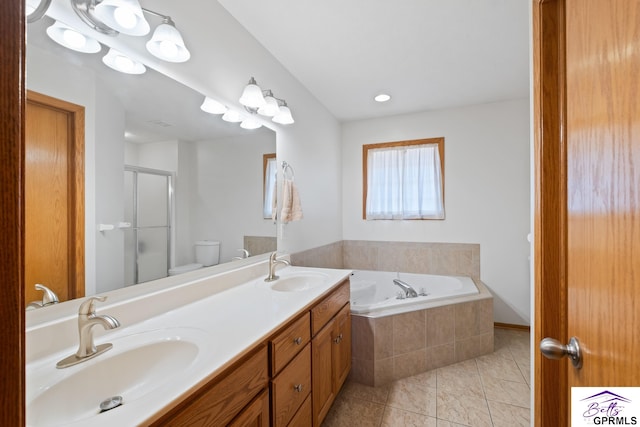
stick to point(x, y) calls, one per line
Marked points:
point(491, 390)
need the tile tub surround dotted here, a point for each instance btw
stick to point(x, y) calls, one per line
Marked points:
point(448, 259)
point(388, 348)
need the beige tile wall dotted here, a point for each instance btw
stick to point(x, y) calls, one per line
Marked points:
point(455, 259)
point(389, 348)
point(385, 349)
point(257, 245)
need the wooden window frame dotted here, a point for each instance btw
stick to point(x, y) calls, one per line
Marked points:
point(365, 159)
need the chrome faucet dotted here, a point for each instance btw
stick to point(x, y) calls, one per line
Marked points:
point(49, 298)
point(272, 267)
point(409, 292)
point(87, 319)
point(245, 254)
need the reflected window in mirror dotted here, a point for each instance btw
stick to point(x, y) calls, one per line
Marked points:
point(269, 174)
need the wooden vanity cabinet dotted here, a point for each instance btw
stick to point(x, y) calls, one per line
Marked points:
point(227, 398)
point(331, 351)
point(291, 381)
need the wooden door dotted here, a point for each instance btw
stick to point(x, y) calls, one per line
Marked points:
point(587, 215)
point(54, 197)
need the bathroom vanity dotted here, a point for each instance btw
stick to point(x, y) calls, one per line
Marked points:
point(229, 349)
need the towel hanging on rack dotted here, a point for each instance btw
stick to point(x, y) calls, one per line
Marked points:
point(291, 209)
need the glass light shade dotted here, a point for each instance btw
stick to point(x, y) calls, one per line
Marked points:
point(270, 107)
point(212, 106)
point(167, 44)
point(232, 116)
point(120, 62)
point(72, 39)
point(124, 16)
point(284, 117)
point(250, 123)
point(252, 95)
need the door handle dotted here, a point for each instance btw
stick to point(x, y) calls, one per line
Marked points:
point(554, 349)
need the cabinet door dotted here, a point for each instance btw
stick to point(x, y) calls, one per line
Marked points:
point(341, 347)
point(256, 414)
point(322, 373)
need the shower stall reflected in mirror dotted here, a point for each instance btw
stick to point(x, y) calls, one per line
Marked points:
point(149, 209)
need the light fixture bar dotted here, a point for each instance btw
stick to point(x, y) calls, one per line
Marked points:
point(85, 9)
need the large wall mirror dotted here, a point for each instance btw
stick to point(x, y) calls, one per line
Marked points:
point(179, 176)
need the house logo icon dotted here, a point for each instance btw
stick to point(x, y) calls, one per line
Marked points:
point(612, 406)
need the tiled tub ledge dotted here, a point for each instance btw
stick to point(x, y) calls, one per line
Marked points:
point(388, 348)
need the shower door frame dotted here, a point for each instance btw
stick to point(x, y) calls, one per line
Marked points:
point(170, 217)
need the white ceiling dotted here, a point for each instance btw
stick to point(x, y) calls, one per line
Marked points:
point(427, 54)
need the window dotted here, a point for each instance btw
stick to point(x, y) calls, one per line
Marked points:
point(404, 180)
point(269, 171)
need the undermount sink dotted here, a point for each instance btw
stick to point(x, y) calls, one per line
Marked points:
point(137, 365)
point(299, 282)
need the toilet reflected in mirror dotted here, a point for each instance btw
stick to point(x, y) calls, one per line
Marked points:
point(207, 254)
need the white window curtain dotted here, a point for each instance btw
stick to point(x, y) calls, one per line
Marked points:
point(404, 183)
point(269, 188)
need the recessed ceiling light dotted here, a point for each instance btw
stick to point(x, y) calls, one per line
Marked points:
point(383, 97)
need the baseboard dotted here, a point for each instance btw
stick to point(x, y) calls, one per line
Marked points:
point(511, 326)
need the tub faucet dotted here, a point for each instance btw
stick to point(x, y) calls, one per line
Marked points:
point(245, 254)
point(409, 292)
point(272, 267)
point(87, 319)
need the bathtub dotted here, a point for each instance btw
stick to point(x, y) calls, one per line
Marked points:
point(396, 338)
point(374, 291)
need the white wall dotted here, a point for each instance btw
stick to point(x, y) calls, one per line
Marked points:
point(226, 194)
point(486, 191)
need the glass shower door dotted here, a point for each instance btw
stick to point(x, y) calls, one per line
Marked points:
point(148, 209)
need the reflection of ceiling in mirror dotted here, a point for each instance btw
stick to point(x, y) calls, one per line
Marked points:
point(157, 107)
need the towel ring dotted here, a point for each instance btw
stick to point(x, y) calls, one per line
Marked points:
point(287, 167)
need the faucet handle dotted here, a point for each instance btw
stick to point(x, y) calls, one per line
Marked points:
point(88, 307)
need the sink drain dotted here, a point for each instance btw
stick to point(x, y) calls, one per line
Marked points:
point(110, 403)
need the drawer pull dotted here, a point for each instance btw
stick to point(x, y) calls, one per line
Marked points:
point(338, 339)
point(298, 340)
point(298, 387)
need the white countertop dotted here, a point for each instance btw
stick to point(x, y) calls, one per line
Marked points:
point(225, 325)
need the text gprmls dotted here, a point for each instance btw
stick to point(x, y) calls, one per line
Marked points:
point(618, 421)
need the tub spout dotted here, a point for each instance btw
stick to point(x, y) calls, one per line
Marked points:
point(408, 290)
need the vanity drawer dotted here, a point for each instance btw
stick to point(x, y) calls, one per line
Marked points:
point(288, 343)
point(291, 387)
point(325, 310)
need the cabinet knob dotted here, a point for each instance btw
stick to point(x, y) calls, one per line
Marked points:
point(298, 387)
point(298, 340)
point(338, 339)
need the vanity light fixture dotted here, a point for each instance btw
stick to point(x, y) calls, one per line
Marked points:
point(34, 13)
point(120, 62)
point(212, 106)
point(252, 95)
point(112, 17)
point(284, 117)
point(124, 16)
point(250, 123)
point(72, 39)
point(263, 102)
point(167, 43)
point(383, 97)
point(270, 107)
point(232, 116)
